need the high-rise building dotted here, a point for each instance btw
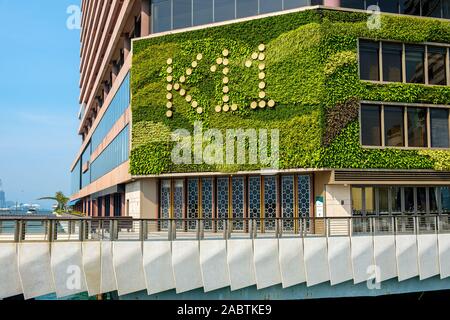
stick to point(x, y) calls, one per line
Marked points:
point(268, 109)
point(361, 106)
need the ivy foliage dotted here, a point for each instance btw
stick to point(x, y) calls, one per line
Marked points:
point(311, 72)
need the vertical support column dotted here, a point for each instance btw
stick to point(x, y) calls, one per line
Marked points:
point(145, 18)
point(111, 205)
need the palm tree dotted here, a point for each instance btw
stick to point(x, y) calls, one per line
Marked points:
point(60, 198)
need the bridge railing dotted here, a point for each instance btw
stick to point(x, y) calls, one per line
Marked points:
point(127, 229)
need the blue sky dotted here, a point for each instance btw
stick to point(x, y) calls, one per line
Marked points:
point(39, 65)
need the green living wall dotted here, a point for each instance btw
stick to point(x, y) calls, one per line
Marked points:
point(311, 74)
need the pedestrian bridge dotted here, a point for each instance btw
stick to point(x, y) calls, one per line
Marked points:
point(148, 258)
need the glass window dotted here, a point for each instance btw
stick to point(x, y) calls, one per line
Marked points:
point(304, 196)
point(254, 199)
point(417, 127)
point(433, 196)
point(161, 14)
point(439, 128)
point(432, 8)
point(292, 4)
point(369, 60)
point(370, 125)
point(421, 200)
point(409, 200)
point(369, 200)
point(178, 202)
point(246, 8)
point(222, 200)
point(393, 126)
point(392, 6)
point(203, 12)
point(207, 202)
point(446, 9)
point(193, 203)
point(237, 201)
point(445, 200)
point(371, 3)
point(270, 202)
point(266, 6)
point(357, 206)
point(415, 64)
point(410, 7)
point(383, 200)
point(392, 62)
point(182, 13)
point(353, 4)
point(396, 199)
point(287, 201)
point(224, 10)
point(437, 73)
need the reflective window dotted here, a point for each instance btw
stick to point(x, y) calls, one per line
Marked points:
point(237, 201)
point(357, 200)
point(192, 203)
point(409, 200)
point(266, 6)
point(371, 125)
point(178, 203)
point(383, 200)
point(445, 200)
point(222, 201)
point(417, 127)
point(392, 62)
point(182, 13)
point(396, 199)
point(287, 201)
point(224, 10)
point(421, 200)
point(353, 4)
point(432, 8)
point(369, 200)
point(446, 9)
point(75, 178)
point(270, 202)
point(246, 8)
point(433, 199)
point(369, 60)
point(393, 126)
point(439, 128)
point(392, 6)
point(415, 64)
point(165, 202)
point(411, 7)
point(161, 15)
point(292, 4)
point(115, 154)
point(207, 202)
point(116, 109)
point(437, 66)
point(304, 196)
point(203, 12)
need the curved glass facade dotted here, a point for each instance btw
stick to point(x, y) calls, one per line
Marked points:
point(118, 105)
point(175, 14)
point(116, 153)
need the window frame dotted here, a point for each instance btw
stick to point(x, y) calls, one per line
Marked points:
point(403, 66)
point(382, 105)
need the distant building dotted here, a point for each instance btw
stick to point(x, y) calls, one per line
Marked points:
point(2, 199)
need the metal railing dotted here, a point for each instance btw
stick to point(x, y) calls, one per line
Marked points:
point(127, 229)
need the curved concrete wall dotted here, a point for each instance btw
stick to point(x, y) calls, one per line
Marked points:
point(159, 266)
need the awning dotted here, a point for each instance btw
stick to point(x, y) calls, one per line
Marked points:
point(73, 203)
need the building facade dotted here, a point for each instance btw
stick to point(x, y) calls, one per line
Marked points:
point(358, 103)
